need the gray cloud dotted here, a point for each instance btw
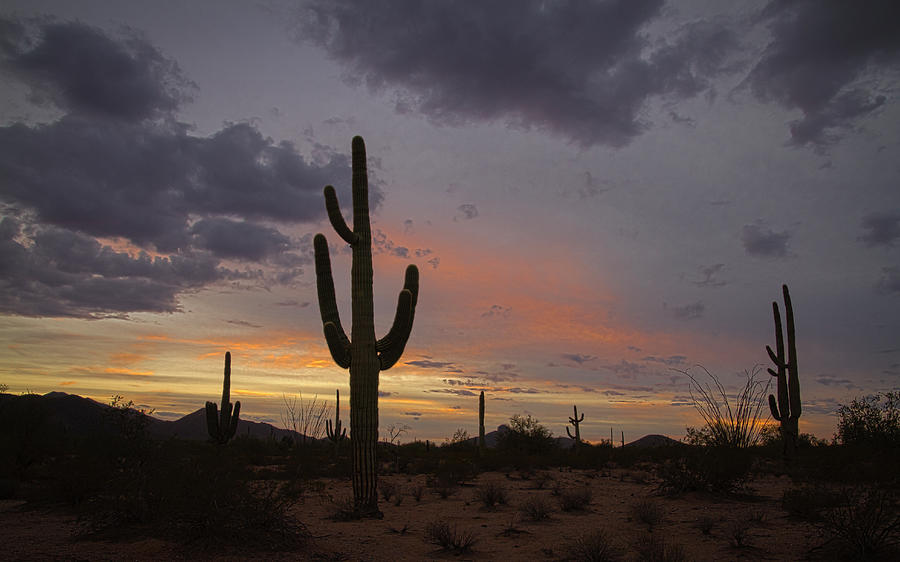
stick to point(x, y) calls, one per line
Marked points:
point(761, 241)
point(818, 57)
point(82, 70)
point(890, 281)
point(579, 358)
point(63, 273)
point(688, 311)
point(466, 211)
point(428, 364)
point(828, 380)
point(118, 164)
point(497, 310)
point(882, 229)
point(710, 276)
point(580, 70)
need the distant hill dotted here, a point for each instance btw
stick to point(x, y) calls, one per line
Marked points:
point(76, 416)
point(653, 441)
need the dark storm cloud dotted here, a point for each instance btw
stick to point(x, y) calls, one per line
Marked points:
point(762, 241)
point(119, 165)
point(63, 273)
point(882, 229)
point(820, 59)
point(80, 69)
point(581, 70)
point(237, 239)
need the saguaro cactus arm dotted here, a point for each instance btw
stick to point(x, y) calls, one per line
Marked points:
point(391, 346)
point(337, 218)
point(575, 421)
point(338, 342)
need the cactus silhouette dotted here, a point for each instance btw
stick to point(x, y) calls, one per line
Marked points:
point(222, 426)
point(576, 421)
point(481, 424)
point(334, 431)
point(787, 410)
point(361, 352)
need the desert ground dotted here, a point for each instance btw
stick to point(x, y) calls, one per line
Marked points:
point(751, 525)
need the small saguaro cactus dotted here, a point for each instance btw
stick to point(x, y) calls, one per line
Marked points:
point(787, 409)
point(576, 421)
point(334, 431)
point(222, 426)
point(361, 352)
point(481, 424)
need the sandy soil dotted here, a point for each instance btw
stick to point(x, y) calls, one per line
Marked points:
point(764, 530)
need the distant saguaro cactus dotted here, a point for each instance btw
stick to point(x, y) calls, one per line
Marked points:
point(222, 426)
point(334, 431)
point(787, 410)
point(361, 352)
point(481, 424)
point(576, 421)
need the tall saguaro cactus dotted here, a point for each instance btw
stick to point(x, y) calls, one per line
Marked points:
point(481, 424)
point(361, 352)
point(787, 409)
point(576, 421)
point(334, 431)
point(221, 427)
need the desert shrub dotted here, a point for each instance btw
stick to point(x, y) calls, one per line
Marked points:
point(577, 499)
point(648, 512)
point(715, 470)
point(726, 424)
point(537, 508)
point(595, 546)
point(542, 480)
point(490, 494)
point(449, 538)
point(809, 502)
point(525, 434)
point(202, 498)
point(416, 492)
point(871, 420)
point(867, 524)
point(738, 532)
point(658, 549)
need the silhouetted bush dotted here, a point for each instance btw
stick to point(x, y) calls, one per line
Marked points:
point(866, 525)
point(526, 435)
point(871, 420)
point(810, 501)
point(658, 549)
point(715, 470)
point(648, 512)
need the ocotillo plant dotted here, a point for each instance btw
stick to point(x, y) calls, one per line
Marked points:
point(334, 431)
point(787, 409)
point(361, 352)
point(222, 426)
point(576, 421)
point(481, 424)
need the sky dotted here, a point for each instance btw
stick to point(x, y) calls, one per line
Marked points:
point(599, 196)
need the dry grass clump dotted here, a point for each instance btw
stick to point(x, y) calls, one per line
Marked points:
point(575, 499)
point(491, 494)
point(595, 546)
point(537, 508)
point(658, 549)
point(449, 538)
point(648, 512)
